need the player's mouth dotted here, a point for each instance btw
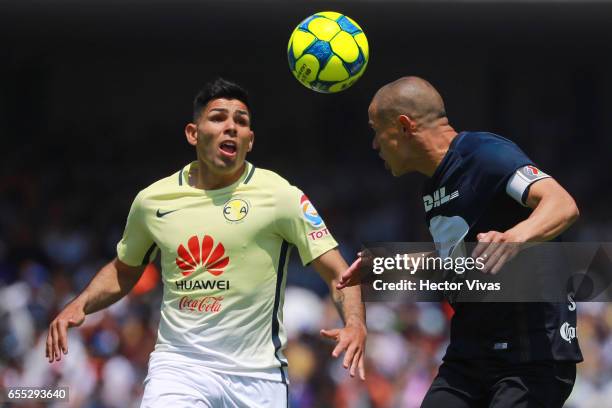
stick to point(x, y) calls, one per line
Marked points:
point(228, 148)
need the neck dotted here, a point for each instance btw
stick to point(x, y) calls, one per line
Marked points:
point(437, 140)
point(204, 178)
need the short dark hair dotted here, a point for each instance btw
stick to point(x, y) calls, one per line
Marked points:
point(219, 88)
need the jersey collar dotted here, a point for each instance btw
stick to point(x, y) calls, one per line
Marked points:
point(245, 178)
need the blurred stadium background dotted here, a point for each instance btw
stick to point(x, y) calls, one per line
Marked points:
point(93, 100)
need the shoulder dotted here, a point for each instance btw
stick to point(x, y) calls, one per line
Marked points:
point(285, 196)
point(161, 186)
point(479, 142)
point(271, 181)
point(267, 177)
point(489, 149)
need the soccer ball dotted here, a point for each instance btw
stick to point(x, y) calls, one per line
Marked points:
point(328, 52)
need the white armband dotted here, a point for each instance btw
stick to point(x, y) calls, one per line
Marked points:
point(518, 185)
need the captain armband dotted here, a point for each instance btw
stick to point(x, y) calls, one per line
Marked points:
point(521, 180)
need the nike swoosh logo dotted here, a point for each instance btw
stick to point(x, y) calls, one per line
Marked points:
point(161, 214)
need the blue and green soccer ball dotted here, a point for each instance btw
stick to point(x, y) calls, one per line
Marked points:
point(328, 52)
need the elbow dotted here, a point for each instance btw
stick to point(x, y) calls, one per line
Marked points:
point(331, 284)
point(572, 212)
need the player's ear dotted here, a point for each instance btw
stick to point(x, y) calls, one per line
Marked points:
point(251, 141)
point(408, 125)
point(191, 133)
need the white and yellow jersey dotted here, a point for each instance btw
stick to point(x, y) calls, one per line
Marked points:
point(224, 259)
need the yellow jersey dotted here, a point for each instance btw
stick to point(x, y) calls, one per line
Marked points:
point(224, 260)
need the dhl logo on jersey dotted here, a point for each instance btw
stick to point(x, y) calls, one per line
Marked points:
point(201, 256)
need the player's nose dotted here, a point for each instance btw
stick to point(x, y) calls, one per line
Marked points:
point(230, 127)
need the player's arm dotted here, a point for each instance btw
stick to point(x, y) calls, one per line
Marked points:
point(352, 337)
point(554, 210)
point(353, 274)
point(110, 284)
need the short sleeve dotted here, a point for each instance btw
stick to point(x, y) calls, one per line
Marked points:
point(494, 162)
point(300, 224)
point(136, 245)
point(500, 159)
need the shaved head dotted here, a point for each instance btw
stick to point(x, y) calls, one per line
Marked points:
point(411, 130)
point(411, 96)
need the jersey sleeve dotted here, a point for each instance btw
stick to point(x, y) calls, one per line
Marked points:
point(136, 245)
point(499, 166)
point(519, 183)
point(300, 224)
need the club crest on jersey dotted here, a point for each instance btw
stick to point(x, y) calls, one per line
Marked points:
point(438, 198)
point(309, 212)
point(568, 333)
point(235, 209)
point(200, 256)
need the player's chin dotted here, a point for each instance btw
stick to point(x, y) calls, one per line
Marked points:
point(396, 172)
point(230, 163)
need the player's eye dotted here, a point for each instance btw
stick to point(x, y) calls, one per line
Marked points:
point(242, 121)
point(217, 117)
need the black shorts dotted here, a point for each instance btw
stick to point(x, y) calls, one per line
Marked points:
point(494, 384)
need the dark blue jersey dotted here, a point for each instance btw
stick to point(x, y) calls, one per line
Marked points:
point(480, 186)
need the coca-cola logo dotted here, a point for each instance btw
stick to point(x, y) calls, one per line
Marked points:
point(201, 255)
point(206, 304)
